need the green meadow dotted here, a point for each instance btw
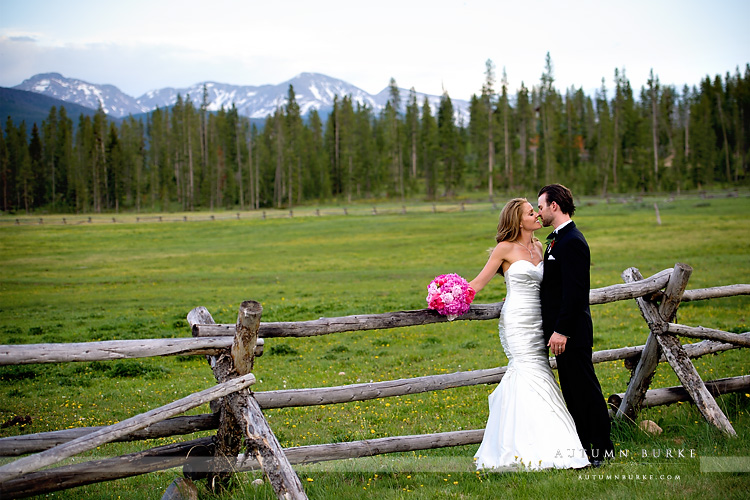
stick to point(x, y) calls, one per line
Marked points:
point(127, 280)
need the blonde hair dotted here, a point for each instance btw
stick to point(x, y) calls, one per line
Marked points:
point(509, 225)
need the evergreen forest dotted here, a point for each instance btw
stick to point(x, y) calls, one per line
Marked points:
point(620, 140)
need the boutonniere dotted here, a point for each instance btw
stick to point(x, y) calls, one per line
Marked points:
point(551, 240)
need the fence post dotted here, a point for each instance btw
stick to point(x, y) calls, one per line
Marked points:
point(246, 336)
point(241, 413)
point(649, 359)
point(659, 339)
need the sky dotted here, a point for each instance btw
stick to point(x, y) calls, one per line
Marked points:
point(432, 46)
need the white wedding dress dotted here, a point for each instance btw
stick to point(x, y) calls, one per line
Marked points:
point(529, 425)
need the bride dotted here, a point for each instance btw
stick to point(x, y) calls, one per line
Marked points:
point(529, 425)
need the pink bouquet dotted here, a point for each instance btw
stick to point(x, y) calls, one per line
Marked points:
point(450, 295)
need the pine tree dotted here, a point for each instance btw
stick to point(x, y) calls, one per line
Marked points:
point(703, 137)
point(718, 90)
point(477, 144)
point(605, 136)
point(631, 143)
point(428, 150)
point(525, 130)
point(488, 98)
point(319, 175)
point(158, 158)
point(412, 127)
point(64, 158)
point(367, 171)
point(547, 106)
point(449, 147)
point(278, 151)
point(132, 144)
point(654, 90)
point(505, 111)
point(98, 157)
point(569, 141)
point(49, 153)
point(682, 140)
point(188, 145)
point(25, 175)
point(5, 170)
point(617, 103)
point(332, 146)
point(253, 167)
point(115, 169)
point(739, 96)
point(293, 149)
point(176, 152)
point(37, 180)
point(11, 162)
point(667, 110)
point(348, 148)
point(205, 169)
point(393, 135)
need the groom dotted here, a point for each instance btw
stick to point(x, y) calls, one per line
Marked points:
point(566, 320)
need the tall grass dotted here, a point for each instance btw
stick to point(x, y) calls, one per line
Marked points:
point(126, 281)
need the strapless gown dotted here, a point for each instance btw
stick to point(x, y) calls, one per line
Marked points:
point(529, 425)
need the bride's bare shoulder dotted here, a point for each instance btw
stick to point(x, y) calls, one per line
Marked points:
point(503, 247)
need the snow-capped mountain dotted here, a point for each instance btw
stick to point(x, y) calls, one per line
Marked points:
point(312, 91)
point(113, 101)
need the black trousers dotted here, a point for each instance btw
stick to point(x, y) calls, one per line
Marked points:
point(586, 404)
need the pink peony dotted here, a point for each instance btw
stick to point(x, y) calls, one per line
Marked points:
point(450, 295)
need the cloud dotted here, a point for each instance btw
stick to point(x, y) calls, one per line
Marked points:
point(133, 68)
point(22, 39)
point(429, 45)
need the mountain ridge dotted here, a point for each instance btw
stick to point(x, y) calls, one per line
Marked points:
point(312, 91)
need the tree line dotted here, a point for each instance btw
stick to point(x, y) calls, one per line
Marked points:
point(185, 158)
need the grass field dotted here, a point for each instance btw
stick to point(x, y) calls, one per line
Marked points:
point(88, 282)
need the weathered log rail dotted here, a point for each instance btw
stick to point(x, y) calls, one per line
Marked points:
point(213, 339)
point(230, 350)
point(31, 443)
point(361, 322)
point(110, 433)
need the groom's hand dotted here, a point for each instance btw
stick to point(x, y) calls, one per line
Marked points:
point(556, 343)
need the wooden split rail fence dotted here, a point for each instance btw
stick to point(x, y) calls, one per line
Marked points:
point(244, 440)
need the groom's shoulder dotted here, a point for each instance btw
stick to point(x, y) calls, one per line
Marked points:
point(575, 237)
point(575, 232)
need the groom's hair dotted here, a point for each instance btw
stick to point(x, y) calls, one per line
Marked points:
point(560, 195)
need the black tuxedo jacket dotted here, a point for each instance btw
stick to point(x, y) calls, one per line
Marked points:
point(565, 288)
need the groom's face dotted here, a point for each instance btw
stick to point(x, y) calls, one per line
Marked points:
point(544, 211)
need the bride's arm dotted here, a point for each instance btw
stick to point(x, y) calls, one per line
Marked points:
point(498, 255)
